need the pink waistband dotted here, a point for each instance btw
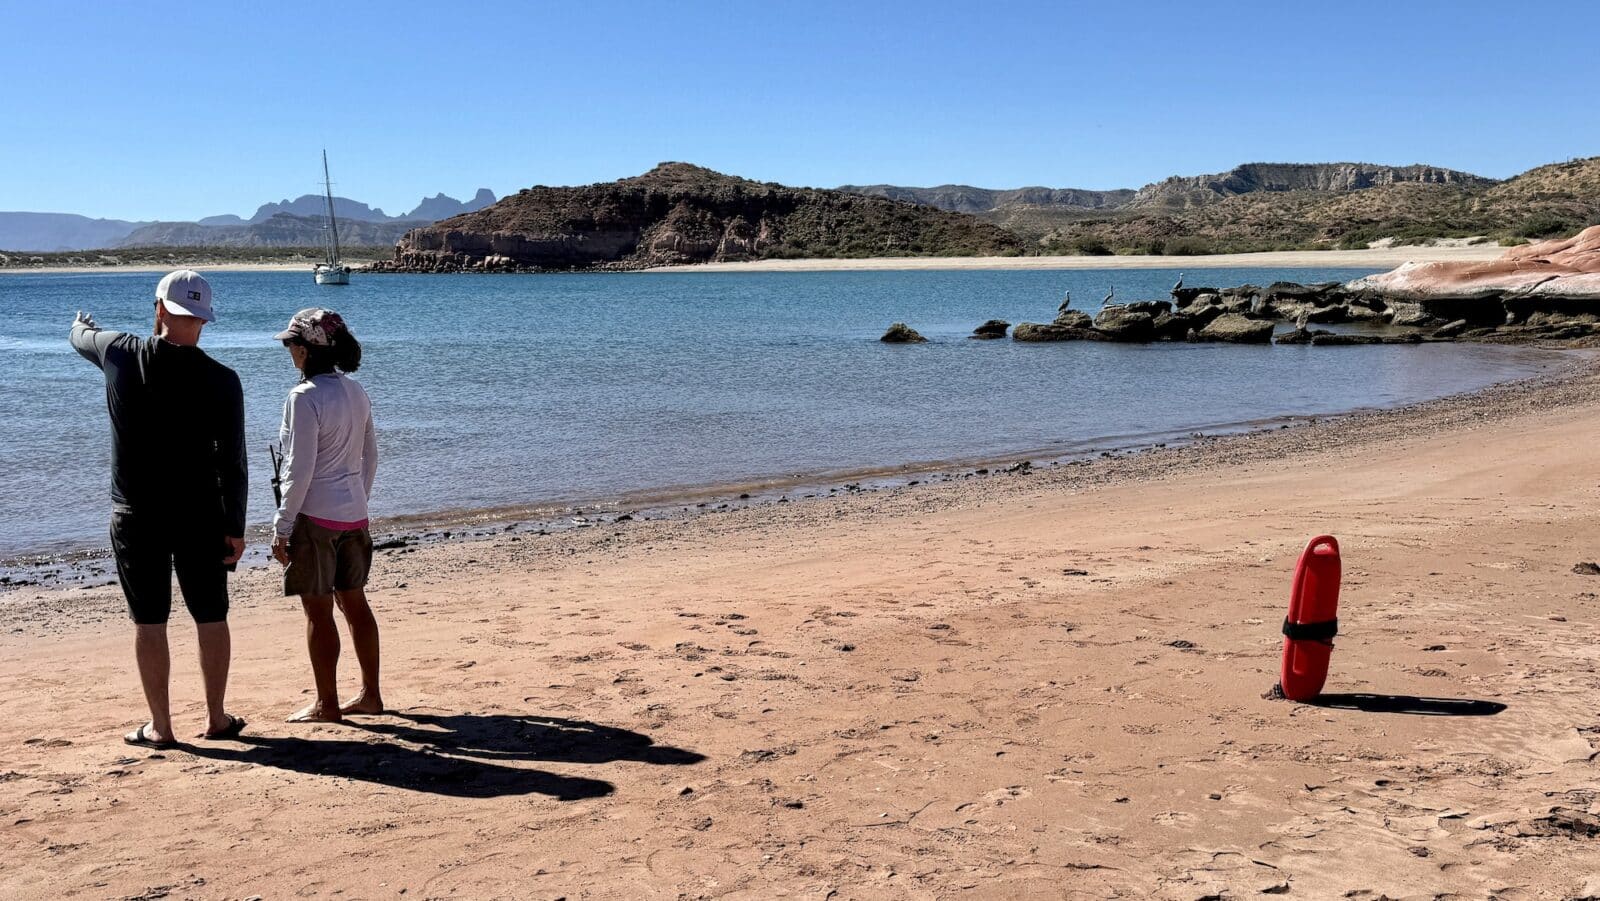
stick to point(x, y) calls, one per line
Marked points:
point(338, 526)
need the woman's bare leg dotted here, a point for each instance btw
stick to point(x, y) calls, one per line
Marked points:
point(364, 635)
point(322, 640)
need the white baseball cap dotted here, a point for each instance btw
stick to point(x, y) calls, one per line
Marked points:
point(186, 293)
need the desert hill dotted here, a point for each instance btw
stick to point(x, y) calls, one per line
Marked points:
point(681, 213)
point(1283, 206)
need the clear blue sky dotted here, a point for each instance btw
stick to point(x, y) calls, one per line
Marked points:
point(181, 110)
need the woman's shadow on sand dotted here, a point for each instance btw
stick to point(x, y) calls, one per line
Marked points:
point(454, 754)
point(1409, 704)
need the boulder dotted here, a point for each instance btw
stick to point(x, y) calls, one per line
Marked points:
point(1356, 312)
point(1301, 335)
point(1551, 283)
point(1403, 312)
point(1329, 339)
point(1174, 326)
point(1539, 308)
point(1336, 313)
point(1183, 297)
point(1035, 332)
point(1407, 338)
point(1551, 332)
point(1121, 324)
point(994, 328)
point(1153, 307)
point(1245, 292)
point(1201, 314)
point(1074, 319)
point(1321, 294)
point(1450, 330)
point(1237, 329)
point(900, 333)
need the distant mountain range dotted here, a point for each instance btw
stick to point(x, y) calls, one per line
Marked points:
point(967, 199)
point(281, 230)
point(287, 223)
point(61, 231)
point(1252, 207)
point(1177, 192)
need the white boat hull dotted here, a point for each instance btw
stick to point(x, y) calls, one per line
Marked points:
point(332, 275)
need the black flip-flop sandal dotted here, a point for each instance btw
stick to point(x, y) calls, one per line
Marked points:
point(232, 730)
point(143, 740)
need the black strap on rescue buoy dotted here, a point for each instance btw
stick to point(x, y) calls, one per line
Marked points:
point(1323, 631)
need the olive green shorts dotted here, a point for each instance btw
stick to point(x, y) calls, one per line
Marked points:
point(323, 560)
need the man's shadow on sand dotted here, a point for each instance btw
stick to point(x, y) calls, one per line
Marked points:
point(1375, 703)
point(456, 754)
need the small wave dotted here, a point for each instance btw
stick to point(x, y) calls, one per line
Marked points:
point(31, 345)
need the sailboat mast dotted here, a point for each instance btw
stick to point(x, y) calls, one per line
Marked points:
point(333, 225)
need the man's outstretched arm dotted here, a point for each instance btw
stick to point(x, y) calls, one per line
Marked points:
point(90, 340)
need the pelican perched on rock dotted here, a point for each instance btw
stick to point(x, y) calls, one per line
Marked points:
point(1179, 283)
point(1065, 302)
point(1109, 294)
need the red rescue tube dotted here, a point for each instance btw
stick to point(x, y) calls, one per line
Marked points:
point(1313, 620)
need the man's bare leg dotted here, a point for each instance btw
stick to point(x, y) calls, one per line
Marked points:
point(364, 635)
point(155, 670)
point(216, 651)
point(322, 640)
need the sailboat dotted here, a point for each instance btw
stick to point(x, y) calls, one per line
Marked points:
point(331, 272)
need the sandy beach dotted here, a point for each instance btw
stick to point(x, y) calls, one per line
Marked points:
point(1028, 684)
point(1376, 258)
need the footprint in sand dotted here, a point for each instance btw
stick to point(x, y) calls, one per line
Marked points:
point(1002, 796)
point(48, 743)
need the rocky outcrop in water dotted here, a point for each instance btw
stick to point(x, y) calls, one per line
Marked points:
point(678, 213)
point(900, 333)
point(1549, 289)
point(1150, 320)
point(1237, 328)
point(1542, 292)
point(1567, 269)
point(994, 328)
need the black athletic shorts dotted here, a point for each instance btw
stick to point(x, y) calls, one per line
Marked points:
point(149, 548)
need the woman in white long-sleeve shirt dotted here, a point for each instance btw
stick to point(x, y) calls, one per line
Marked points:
point(330, 456)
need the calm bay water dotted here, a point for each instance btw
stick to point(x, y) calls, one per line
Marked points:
point(497, 390)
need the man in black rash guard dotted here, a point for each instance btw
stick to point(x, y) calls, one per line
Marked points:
point(178, 490)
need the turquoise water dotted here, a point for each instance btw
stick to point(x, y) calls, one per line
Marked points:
point(498, 390)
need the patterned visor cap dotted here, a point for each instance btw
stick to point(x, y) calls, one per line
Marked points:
point(313, 325)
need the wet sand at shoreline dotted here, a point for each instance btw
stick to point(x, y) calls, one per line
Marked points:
point(1023, 685)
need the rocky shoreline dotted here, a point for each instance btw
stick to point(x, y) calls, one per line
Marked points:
point(1250, 314)
point(1547, 293)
